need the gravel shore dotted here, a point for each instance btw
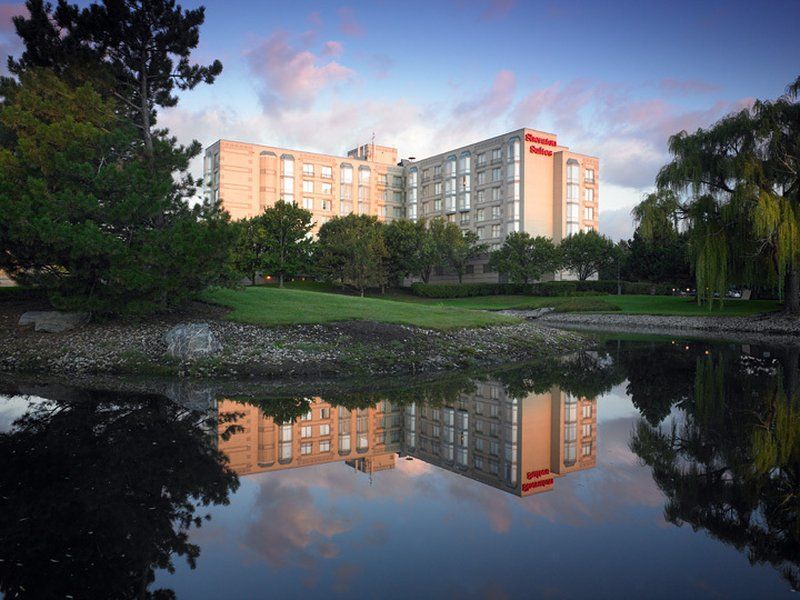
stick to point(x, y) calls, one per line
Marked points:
point(345, 349)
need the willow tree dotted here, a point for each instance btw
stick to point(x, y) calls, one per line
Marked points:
point(739, 187)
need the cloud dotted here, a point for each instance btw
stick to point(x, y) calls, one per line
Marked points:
point(494, 102)
point(315, 19)
point(497, 9)
point(617, 224)
point(332, 48)
point(348, 24)
point(687, 86)
point(289, 77)
point(10, 44)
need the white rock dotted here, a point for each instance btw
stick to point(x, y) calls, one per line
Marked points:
point(189, 341)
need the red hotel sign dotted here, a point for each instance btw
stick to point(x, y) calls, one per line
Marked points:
point(530, 485)
point(529, 137)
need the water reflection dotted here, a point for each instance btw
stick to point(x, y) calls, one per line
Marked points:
point(519, 444)
point(99, 491)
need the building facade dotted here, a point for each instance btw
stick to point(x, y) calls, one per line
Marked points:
point(518, 445)
point(523, 180)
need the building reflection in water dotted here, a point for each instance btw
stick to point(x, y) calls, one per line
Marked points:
point(518, 445)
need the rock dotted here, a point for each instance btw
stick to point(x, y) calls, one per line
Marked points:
point(528, 314)
point(53, 321)
point(191, 340)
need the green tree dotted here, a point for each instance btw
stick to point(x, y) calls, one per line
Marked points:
point(248, 251)
point(352, 250)
point(287, 247)
point(142, 51)
point(586, 253)
point(740, 186)
point(87, 217)
point(454, 248)
point(406, 244)
point(524, 258)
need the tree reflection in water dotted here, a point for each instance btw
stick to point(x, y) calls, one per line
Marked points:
point(729, 463)
point(98, 493)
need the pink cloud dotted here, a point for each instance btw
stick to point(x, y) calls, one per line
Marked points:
point(687, 86)
point(315, 19)
point(348, 23)
point(292, 77)
point(497, 9)
point(7, 11)
point(332, 48)
point(492, 103)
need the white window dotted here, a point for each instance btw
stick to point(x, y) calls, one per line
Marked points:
point(437, 188)
point(464, 220)
point(586, 449)
point(437, 205)
point(481, 177)
point(588, 195)
point(327, 172)
point(287, 166)
point(587, 411)
point(326, 205)
point(481, 233)
point(308, 187)
point(325, 446)
point(573, 170)
point(308, 203)
point(590, 175)
point(480, 215)
point(586, 430)
point(383, 179)
point(397, 181)
point(325, 429)
point(288, 185)
point(497, 212)
point(572, 192)
point(308, 169)
point(496, 174)
point(305, 431)
point(363, 176)
point(326, 188)
point(496, 231)
point(306, 448)
point(397, 196)
point(497, 154)
point(437, 170)
point(496, 193)
point(572, 212)
point(481, 159)
point(347, 174)
point(325, 413)
point(588, 213)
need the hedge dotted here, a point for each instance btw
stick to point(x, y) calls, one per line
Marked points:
point(546, 288)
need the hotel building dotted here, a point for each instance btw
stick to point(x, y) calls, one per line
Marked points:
point(523, 180)
point(518, 445)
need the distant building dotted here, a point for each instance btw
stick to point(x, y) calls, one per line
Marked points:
point(518, 445)
point(519, 181)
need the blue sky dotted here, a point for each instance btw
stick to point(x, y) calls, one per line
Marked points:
point(613, 79)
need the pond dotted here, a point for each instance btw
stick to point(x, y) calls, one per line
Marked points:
point(645, 468)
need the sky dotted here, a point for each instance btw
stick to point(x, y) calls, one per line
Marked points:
point(611, 79)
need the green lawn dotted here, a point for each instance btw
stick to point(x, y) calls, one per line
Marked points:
point(268, 305)
point(633, 305)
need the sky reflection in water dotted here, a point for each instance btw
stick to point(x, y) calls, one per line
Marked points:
point(430, 507)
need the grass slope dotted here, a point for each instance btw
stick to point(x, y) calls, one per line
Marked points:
point(268, 305)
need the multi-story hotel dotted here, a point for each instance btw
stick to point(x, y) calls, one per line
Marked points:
point(523, 180)
point(518, 445)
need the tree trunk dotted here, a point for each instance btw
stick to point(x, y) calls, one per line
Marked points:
point(280, 280)
point(362, 292)
point(147, 135)
point(791, 302)
point(253, 279)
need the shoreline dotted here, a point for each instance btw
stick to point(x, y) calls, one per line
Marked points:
point(340, 350)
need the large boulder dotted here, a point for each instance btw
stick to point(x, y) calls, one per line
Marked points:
point(53, 321)
point(189, 341)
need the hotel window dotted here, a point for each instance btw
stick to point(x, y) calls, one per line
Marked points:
point(383, 211)
point(588, 195)
point(285, 441)
point(481, 177)
point(494, 467)
point(437, 188)
point(493, 247)
point(480, 196)
point(326, 205)
point(326, 188)
point(513, 158)
point(451, 218)
point(572, 212)
point(305, 431)
point(327, 172)
point(398, 212)
point(573, 170)
point(345, 208)
point(426, 174)
point(450, 203)
point(497, 212)
point(464, 220)
point(494, 448)
point(496, 193)
point(587, 411)
point(464, 201)
point(497, 154)
point(496, 174)
point(586, 449)
point(478, 463)
point(346, 173)
point(437, 170)
point(305, 448)
point(450, 166)
point(481, 233)
point(308, 186)
point(325, 429)
point(588, 213)
point(587, 228)
point(586, 430)
point(383, 179)
point(287, 165)
point(397, 196)
point(308, 169)
point(325, 413)
point(325, 446)
point(437, 205)
point(464, 162)
point(496, 231)
point(480, 159)
point(306, 416)
point(480, 215)
point(308, 203)
point(397, 181)
point(363, 175)
point(590, 175)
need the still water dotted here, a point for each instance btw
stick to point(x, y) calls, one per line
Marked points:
point(647, 468)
